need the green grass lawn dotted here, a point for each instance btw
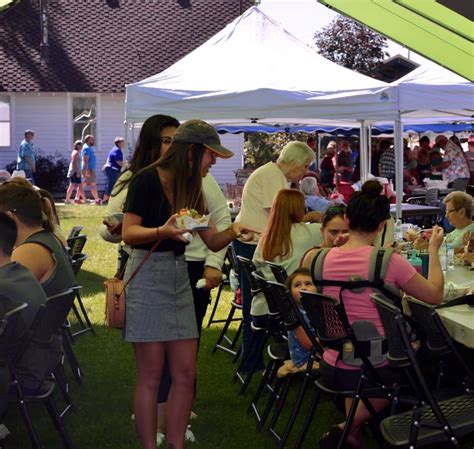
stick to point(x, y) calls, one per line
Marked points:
point(102, 419)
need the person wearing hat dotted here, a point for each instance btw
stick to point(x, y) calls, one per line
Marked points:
point(26, 157)
point(160, 316)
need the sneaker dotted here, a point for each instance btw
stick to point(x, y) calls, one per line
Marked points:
point(98, 202)
point(68, 201)
point(161, 438)
point(189, 435)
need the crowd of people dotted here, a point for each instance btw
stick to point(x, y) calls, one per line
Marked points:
point(443, 159)
point(169, 172)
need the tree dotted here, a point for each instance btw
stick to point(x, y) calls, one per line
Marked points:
point(352, 45)
point(260, 148)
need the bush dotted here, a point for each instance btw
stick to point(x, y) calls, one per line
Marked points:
point(51, 171)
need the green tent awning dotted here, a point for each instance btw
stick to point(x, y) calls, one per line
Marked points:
point(440, 30)
point(4, 4)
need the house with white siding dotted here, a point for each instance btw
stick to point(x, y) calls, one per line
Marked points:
point(64, 68)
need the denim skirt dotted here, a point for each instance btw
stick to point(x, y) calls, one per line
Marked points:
point(159, 303)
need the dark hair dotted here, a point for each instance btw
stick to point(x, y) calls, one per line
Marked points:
point(299, 271)
point(186, 175)
point(148, 147)
point(8, 234)
point(384, 144)
point(424, 139)
point(338, 210)
point(23, 201)
point(368, 208)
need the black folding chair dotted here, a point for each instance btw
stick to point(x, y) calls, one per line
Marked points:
point(75, 231)
point(230, 342)
point(229, 264)
point(47, 324)
point(293, 317)
point(80, 311)
point(430, 421)
point(329, 319)
point(76, 244)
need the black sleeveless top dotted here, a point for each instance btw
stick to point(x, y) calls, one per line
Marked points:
point(62, 277)
point(146, 198)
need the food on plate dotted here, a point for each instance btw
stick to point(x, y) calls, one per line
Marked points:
point(420, 244)
point(191, 219)
point(411, 235)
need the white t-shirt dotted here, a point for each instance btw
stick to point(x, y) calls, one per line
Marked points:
point(257, 197)
point(303, 236)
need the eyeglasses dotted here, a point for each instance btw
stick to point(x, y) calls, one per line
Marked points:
point(448, 211)
point(166, 140)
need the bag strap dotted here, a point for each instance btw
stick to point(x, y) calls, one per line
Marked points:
point(140, 266)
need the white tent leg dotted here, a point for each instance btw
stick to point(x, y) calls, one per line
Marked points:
point(398, 141)
point(363, 152)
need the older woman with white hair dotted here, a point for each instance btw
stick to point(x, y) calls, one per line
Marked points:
point(257, 198)
point(313, 200)
point(459, 215)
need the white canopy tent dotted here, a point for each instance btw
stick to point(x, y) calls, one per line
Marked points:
point(432, 93)
point(254, 69)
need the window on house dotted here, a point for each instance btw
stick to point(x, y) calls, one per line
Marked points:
point(4, 121)
point(83, 117)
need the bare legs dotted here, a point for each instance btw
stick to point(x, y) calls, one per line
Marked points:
point(93, 189)
point(79, 192)
point(149, 358)
point(362, 415)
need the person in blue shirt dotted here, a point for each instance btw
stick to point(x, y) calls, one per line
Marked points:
point(26, 157)
point(313, 201)
point(88, 166)
point(113, 166)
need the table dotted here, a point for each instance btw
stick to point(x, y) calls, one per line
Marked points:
point(459, 320)
point(421, 191)
point(415, 210)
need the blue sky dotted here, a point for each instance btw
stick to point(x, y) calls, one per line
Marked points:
point(304, 17)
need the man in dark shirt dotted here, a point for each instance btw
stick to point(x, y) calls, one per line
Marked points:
point(344, 162)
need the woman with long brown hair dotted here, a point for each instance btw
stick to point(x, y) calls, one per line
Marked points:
point(285, 240)
point(160, 315)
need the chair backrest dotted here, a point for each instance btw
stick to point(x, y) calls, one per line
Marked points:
point(76, 244)
point(12, 332)
point(391, 318)
point(460, 184)
point(432, 195)
point(324, 317)
point(249, 268)
point(278, 271)
point(423, 313)
point(290, 308)
point(75, 231)
point(262, 283)
point(437, 336)
point(77, 260)
point(56, 310)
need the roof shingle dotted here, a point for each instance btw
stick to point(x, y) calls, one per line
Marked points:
point(99, 46)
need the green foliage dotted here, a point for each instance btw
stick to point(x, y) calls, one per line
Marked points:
point(260, 148)
point(51, 171)
point(352, 45)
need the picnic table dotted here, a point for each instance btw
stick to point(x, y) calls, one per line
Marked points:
point(415, 210)
point(459, 320)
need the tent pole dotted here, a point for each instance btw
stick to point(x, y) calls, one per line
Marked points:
point(398, 142)
point(369, 150)
point(363, 151)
